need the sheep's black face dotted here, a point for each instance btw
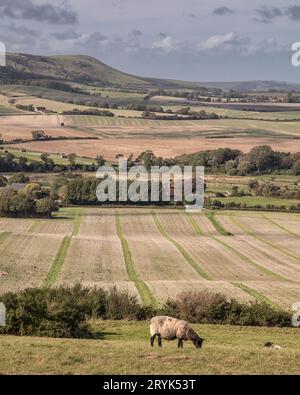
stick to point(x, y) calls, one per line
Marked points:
point(198, 343)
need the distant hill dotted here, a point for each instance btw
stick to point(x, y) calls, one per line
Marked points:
point(77, 68)
point(88, 70)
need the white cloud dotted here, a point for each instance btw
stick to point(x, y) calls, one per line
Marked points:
point(166, 44)
point(216, 41)
point(242, 45)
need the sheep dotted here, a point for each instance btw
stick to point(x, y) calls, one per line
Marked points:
point(169, 328)
point(274, 346)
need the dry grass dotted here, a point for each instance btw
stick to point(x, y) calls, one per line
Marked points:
point(93, 260)
point(27, 259)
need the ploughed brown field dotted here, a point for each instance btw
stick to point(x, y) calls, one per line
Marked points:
point(170, 251)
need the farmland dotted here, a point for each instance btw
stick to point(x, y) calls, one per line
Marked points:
point(115, 135)
point(156, 254)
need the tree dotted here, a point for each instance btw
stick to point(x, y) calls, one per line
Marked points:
point(38, 134)
point(72, 159)
point(45, 206)
point(19, 178)
point(100, 160)
point(296, 167)
point(235, 191)
point(244, 167)
point(253, 184)
point(263, 157)
point(3, 181)
point(270, 190)
point(44, 157)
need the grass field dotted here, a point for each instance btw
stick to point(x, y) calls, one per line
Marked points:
point(124, 349)
point(156, 254)
point(36, 156)
point(251, 201)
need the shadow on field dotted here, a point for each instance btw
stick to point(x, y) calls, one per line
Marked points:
point(104, 335)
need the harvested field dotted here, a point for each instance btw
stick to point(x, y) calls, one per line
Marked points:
point(95, 257)
point(93, 260)
point(265, 256)
point(286, 224)
point(154, 257)
point(170, 289)
point(155, 254)
point(205, 225)
point(110, 147)
point(53, 227)
point(98, 224)
point(267, 231)
point(27, 260)
point(220, 263)
point(20, 127)
point(15, 225)
point(284, 294)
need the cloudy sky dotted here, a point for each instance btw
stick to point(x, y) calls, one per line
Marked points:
point(195, 40)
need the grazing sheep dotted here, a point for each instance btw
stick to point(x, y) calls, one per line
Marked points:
point(169, 328)
point(272, 345)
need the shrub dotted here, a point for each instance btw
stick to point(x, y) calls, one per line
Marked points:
point(204, 307)
point(44, 312)
point(65, 311)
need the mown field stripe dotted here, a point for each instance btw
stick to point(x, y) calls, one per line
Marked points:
point(181, 249)
point(281, 227)
point(194, 224)
point(257, 295)
point(34, 226)
point(57, 263)
point(4, 235)
point(77, 221)
point(262, 239)
point(250, 262)
point(146, 295)
point(219, 228)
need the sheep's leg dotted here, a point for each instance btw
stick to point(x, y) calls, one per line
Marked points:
point(159, 340)
point(152, 338)
point(179, 343)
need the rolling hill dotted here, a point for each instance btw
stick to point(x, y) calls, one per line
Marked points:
point(78, 68)
point(89, 70)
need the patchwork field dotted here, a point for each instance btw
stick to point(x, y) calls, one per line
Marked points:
point(156, 254)
point(133, 135)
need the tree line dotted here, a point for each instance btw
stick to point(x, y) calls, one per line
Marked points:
point(12, 163)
